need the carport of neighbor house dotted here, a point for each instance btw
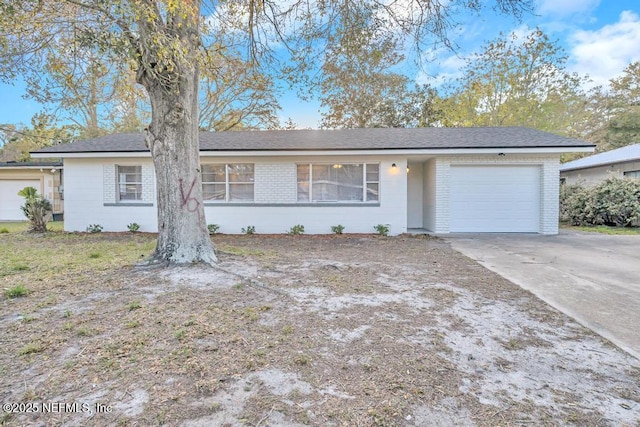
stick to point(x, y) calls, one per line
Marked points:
point(492, 193)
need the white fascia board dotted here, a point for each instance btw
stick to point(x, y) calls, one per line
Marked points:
point(95, 155)
point(401, 152)
point(287, 153)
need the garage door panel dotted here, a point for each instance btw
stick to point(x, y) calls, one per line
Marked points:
point(10, 202)
point(495, 199)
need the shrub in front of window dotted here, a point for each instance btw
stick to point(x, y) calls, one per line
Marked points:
point(337, 229)
point(296, 230)
point(382, 229)
point(94, 228)
point(36, 208)
point(249, 230)
point(133, 227)
point(213, 228)
point(614, 202)
point(617, 202)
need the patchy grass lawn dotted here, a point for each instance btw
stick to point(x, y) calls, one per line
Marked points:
point(19, 227)
point(604, 229)
point(289, 331)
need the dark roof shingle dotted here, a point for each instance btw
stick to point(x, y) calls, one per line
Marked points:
point(342, 139)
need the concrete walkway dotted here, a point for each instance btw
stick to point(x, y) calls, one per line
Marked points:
point(594, 278)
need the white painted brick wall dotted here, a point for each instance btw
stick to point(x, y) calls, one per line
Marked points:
point(148, 184)
point(549, 185)
point(275, 183)
point(109, 183)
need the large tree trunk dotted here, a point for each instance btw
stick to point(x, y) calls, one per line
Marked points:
point(173, 139)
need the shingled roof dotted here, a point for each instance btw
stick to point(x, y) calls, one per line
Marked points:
point(343, 139)
point(630, 153)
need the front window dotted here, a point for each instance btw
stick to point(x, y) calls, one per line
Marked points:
point(632, 174)
point(129, 183)
point(228, 182)
point(338, 182)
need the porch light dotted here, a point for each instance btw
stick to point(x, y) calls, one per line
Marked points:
point(337, 166)
point(408, 169)
point(394, 167)
point(501, 154)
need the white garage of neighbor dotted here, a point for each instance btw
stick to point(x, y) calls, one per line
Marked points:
point(441, 180)
point(10, 202)
point(14, 176)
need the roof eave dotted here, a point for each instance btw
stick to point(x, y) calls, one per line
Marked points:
point(599, 165)
point(333, 151)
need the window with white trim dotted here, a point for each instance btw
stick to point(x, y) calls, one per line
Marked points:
point(129, 183)
point(338, 182)
point(632, 174)
point(228, 182)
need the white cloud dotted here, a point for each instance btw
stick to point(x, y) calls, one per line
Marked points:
point(564, 8)
point(605, 52)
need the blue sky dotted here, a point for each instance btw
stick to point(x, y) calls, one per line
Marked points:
point(601, 37)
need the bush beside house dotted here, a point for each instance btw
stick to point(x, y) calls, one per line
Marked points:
point(613, 202)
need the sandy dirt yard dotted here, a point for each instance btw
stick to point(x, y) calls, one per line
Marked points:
point(293, 331)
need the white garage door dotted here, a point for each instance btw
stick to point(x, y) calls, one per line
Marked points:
point(10, 202)
point(495, 199)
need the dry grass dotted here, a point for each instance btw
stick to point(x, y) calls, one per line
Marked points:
point(294, 330)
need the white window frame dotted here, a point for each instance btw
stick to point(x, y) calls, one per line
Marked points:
point(365, 183)
point(227, 184)
point(632, 174)
point(119, 184)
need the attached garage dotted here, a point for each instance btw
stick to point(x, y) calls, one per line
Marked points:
point(10, 202)
point(504, 198)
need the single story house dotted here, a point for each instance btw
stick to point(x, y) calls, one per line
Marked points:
point(444, 180)
point(46, 177)
point(592, 170)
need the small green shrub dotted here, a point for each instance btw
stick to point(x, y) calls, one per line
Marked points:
point(213, 228)
point(36, 208)
point(249, 230)
point(134, 305)
point(133, 227)
point(296, 230)
point(4, 230)
point(94, 228)
point(16, 292)
point(337, 229)
point(381, 229)
point(94, 255)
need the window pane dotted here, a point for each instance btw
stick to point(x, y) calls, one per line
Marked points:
point(213, 191)
point(241, 173)
point(241, 192)
point(373, 172)
point(325, 188)
point(303, 183)
point(349, 182)
point(129, 182)
point(213, 173)
point(372, 192)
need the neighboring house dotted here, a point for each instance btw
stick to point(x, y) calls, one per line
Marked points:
point(592, 170)
point(439, 179)
point(46, 177)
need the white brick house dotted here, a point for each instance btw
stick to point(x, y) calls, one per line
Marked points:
point(439, 179)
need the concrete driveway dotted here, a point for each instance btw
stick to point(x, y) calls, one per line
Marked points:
point(594, 278)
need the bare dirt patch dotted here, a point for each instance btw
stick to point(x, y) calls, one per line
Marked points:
point(304, 330)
